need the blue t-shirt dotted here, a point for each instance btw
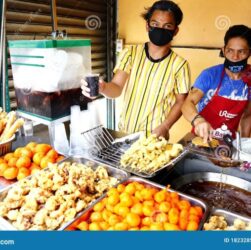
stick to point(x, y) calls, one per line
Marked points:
point(209, 80)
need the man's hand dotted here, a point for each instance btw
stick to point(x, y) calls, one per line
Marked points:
point(161, 130)
point(86, 89)
point(203, 129)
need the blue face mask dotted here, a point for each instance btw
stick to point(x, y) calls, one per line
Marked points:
point(235, 67)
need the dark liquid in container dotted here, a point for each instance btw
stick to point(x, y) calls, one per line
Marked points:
point(53, 105)
point(93, 84)
point(230, 197)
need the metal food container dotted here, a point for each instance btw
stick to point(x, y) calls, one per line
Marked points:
point(229, 216)
point(106, 149)
point(114, 172)
point(192, 200)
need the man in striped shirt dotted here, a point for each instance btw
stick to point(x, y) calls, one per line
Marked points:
point(155, 80)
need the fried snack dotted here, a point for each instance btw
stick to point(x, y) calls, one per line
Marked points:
point(198, 141)
point(150, 154)
point(15, 126)
point(11, 117)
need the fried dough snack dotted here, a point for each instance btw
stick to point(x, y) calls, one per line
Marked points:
point(198, 141)
point(54, 196)
point(9, 124)
point(150, 154)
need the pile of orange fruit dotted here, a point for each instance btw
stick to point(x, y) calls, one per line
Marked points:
point(135, 206)
point(27, 160)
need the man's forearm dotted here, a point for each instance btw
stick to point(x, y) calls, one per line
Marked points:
point(111, 90)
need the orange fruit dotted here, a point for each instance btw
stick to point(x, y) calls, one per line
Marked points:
point(34, 168)
point(45, 162)
point(139, 186)
point(113, 199)
point(148, 210)
point(133, 229)
point(156, 226)
point(2, 160)
point(173, 215)
point(146, 194)
point(31, 145)
point(44, 148)
point(121, 188)
point(22, 173)
point(98, 207)
point(52, 154)
point(183, 223)
point(193, 217)
point(194, 211)
point(147, 221)
point(133, 220)
point(8, 156)
point(171, 227)
point(12, 162)
point(94, 226)
point(23, 161)
point(126, 200)
point(130, 188)
point(113, 220)
point(121, 226)
point(10, 173)
point(184, 204)
point(149, 203)
point(83, 226)
point(17, 152)
point(161, 217)
point(192, 226)
point(26, 152)
point(112, 191)
point(106, 214)
point(199, 211)
point(160, 196)
point(96, 217)
point(37, 157)
point(60, 158)
point(104, 225)
point(123, 211)
point(164, 206)
point(3, 167)
point(184, 214)
point(137, 209)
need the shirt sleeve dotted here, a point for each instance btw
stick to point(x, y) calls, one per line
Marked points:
point(203, 81)
point(124, 61)
point(183, 81)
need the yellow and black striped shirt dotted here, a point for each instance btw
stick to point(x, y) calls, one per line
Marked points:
point(151, 88)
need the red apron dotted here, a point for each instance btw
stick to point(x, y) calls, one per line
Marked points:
point(223, 114)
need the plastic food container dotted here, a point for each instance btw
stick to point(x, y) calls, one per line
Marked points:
point(47, 75)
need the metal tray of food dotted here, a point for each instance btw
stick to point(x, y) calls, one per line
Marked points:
point(233, 220)
point(91, 189)
point(194, 201)
point(149, 174)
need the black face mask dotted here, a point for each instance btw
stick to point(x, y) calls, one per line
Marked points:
point(160, 36)
point(235, 67)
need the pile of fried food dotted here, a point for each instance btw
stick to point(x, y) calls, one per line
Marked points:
point(198, 141)
point(54, 196)
point(219, 223)
point(9, 124)
point(150, 154)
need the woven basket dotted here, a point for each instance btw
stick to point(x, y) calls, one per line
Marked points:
point(5, 147)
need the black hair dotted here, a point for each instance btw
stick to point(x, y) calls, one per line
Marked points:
point(238, 31)
point(164, 5)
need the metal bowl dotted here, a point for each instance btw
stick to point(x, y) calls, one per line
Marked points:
point(209, 176)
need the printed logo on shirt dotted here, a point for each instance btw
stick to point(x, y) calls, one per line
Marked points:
point(224, 113)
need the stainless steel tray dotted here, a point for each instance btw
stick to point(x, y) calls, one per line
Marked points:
point(114, 172)
point(192, 200)
point(229, 216)
point(150, 174)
